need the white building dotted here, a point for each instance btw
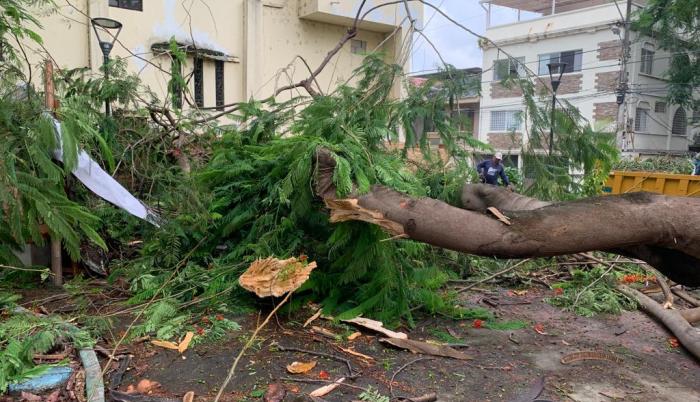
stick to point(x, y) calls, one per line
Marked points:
point(587, 35)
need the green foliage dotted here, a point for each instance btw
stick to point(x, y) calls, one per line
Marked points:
point(24, 335)
point(17, 25)
point(586, 300)
point(373, 395)
point(668, 164)
point(506, 325)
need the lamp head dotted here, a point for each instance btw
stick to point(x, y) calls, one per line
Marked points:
point(107, 30)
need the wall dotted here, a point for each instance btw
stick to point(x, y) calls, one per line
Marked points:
point(261, 37)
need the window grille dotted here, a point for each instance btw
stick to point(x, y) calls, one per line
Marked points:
point(680, 123)
point(199, 81)
point(219, 81)
point(505, 120)
point(127, 4)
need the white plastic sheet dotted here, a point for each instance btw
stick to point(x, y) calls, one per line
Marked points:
point(101, 183)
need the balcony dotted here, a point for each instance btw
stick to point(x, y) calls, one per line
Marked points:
point(343, 12)
point(533, 19)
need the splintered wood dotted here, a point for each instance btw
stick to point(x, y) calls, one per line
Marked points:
point(274, 277)
point(350, 210)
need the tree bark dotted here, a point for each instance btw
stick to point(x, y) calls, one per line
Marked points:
point(657, 229)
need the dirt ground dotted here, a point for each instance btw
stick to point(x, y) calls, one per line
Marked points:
point(506, 364)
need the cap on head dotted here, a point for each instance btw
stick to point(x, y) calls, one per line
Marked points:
point(498, 156)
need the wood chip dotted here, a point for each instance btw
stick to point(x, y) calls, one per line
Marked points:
point(426, 348)
point(324, 332)
point(354, 336)
point(274, 277)
point(165, 344)
point(301, 367)
point(312, 318)
point(326, 389)
point(376, 326)
point(182, 347)
point(358, 354)
point(498, 214)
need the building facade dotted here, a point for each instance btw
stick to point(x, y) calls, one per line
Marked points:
point(588, 36)
point(236, 49)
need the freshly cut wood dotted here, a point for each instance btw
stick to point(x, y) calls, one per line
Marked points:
point(325, 332)
point(357, 354)
point(327, 389)
point(426, 348)
point(376, 326)
point(354, 336)
point(687, 335)
point(274, 277)
point(182, 347)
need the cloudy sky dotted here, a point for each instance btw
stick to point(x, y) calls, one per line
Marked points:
point(456, 46)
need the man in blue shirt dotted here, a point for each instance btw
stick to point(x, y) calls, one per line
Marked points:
point(491, 169)
point(696, 165)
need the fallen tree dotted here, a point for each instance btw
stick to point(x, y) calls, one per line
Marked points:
point(654, 228)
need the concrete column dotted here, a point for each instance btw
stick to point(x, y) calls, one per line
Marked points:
point(253, 46)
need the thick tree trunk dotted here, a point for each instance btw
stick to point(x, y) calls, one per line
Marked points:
point(650, 227)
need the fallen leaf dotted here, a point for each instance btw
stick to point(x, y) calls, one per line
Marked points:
point(358, 354)
point(354, 336)
point(673, 342)
point(165, 344)
point(189, 397)
point(324, 375)
point(146, 386)
point(275, 393)
point(426, 348)
point(477, 323)
point(182, 347)
point(539, 328)
point(301, 367)
point(327, 389)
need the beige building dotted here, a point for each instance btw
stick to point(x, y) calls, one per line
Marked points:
point(237, 49)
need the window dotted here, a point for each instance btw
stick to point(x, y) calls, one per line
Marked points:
point(572, 58)
point(505, 120)
point(198, 81)
point(640, 119)
point(660, 107)
point(508, 68)
point(175, 87)
point(680, 123)
point(128, 4)
point(219, 81)
point(358, 46)
point(647, 66)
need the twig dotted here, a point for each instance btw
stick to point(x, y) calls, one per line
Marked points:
point(321, 354)
point(314, 381)
point(590, 285)
point(232, 370)
point(497, 274)
point(391, 382)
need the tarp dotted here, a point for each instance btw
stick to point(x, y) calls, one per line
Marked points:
point(101, 183)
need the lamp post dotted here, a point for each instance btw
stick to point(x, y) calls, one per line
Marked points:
point(106, 30)
point(556, 70)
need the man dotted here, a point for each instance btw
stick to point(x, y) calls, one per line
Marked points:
point(696, 163)
point(491, 169)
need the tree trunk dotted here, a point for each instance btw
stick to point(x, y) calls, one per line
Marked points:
point(657, 229)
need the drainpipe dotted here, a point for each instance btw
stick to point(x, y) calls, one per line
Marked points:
point(95, 8)
point(252, 43)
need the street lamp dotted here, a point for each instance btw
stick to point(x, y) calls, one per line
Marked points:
point(556, 70)
point(106, 30)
